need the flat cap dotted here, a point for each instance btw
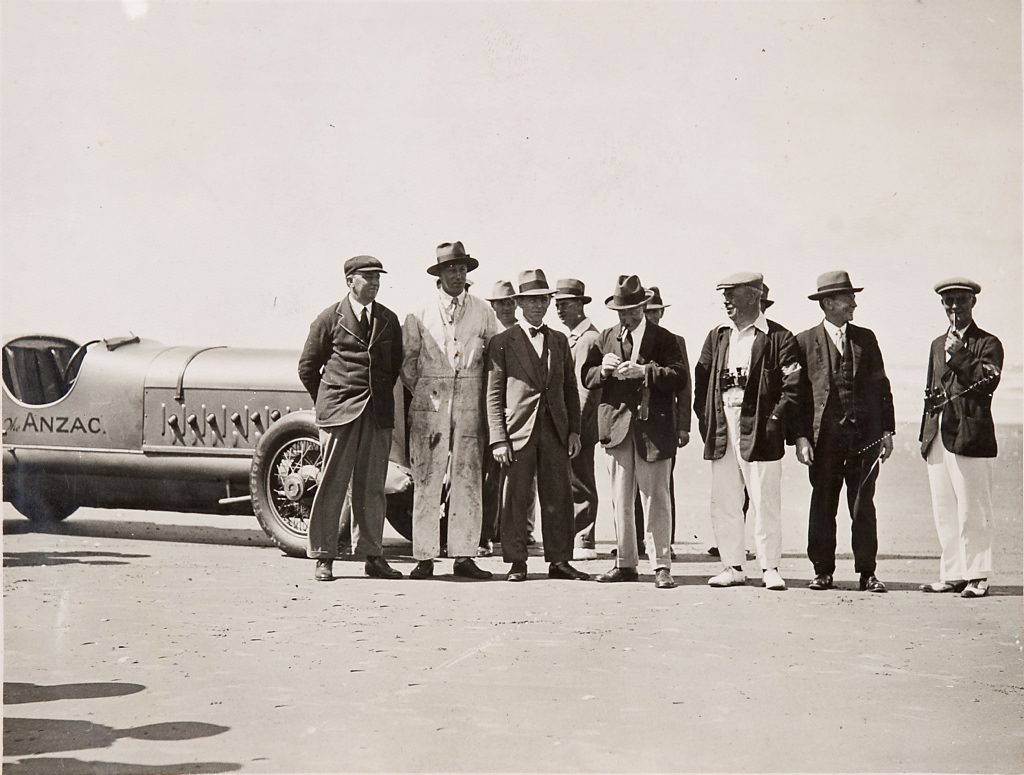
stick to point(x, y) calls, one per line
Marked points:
point(957, 284)
point(363, 264)
point(753, 279)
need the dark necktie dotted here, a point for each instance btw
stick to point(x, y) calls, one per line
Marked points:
point(364, 321)
point(535, 331)
point(627, 346)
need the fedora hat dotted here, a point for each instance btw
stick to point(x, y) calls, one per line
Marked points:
point(452, 253)
point(532, 282)
point(958, 284)
point(765, 301)
point(570, 288)
point(832, 283)
point(656, 302)
point(502, 290)
point(628, 293)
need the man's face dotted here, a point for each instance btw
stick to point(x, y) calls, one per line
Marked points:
point(570, 312)
point(959, 305)
point(453, 278)
point(741, 302)
point(654, 315)
point(364, 285)
point(839, 308)
point(505, 309)
point(630, 318)
point(534, 308)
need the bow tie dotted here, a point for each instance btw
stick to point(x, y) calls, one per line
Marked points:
point(535, 331)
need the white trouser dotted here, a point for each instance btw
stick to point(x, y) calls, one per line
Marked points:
point(630, 472)
point(763, 481)
point(962, 507)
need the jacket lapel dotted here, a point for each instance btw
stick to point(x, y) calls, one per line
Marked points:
point(525, 354)
point(646, 349)
point(378, 325)
point(348, 320)
point(757, 349)
point(821, 344)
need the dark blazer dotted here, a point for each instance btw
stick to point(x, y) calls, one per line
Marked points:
point(621, 399)
point(770, 401)
point(516, 380)
point(873, 413)
point(966, 421)
point(342, 371)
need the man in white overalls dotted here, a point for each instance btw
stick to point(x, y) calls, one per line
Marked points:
point(444, 343)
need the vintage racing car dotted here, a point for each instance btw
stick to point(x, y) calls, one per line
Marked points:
point(136, 424)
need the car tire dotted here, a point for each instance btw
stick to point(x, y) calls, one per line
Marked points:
point(44, 507)
point(283, 480)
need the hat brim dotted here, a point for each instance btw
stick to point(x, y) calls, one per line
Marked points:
point(768, 302)
point(501, 298)
point(566, 296)
point(534, 292)
point(658, 306)
point(470, 262)
point(833, 292)
point(609, 302)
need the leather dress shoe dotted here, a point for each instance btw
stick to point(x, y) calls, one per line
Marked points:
point(619, 574)
point(944, 586)
point(324, 570)
point(563, 570)
point(821, 581)
point(976, 588)
point(468, 569)
point(378, 568)
point(424, 570)
point(517, 572)
point(663, 579)
point(870, 583)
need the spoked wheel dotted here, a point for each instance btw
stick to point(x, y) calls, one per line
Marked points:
point(284, 478)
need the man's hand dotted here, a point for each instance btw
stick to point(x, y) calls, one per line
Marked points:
point(574, 445)
point(682, 438)
point(629, 370)
point(609, 363)
point(954, 343)
point(886, 447)
point(503, 453)
point(804, 453)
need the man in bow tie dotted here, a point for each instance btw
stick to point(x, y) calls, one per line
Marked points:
point(846, 407)
point(349, 366)
point(639, 368)
point(533, 417)
point(958, 441)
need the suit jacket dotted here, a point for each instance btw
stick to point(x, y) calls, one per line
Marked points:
point(770, 400)
point(966, 422)
point(516, 381)
point(580, 345)
point(684, 397)
point(343, 371)
point(872, 410)
point(619, 412)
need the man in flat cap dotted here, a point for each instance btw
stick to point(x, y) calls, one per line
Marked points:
point(639, 368)
point(444, 366)
point(847, 408)
point(570, 298)
point(533, 417)
point(349, 366)
point(746, 390)
point(958, 441)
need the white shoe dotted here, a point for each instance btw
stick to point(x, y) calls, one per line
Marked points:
point(772, 580)
point(730, 577)
point(580, 553)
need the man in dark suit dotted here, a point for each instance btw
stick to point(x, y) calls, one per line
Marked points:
point(847, 407)
point(639, 368)
point(958, 440)
point(533, 418)
point(349, 366)
point(746, 386)
point(570, 298)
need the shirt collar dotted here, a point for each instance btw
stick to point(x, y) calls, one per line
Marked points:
point(582, 326)
point(526, 326)
point(832, 330)
point(638, 333)
point(358, 308)
point(760, 323)
point(446, 300)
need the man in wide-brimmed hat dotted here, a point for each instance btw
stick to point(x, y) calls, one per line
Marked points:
point(746, 389)
point(533, 417)
point(349, 365)
point(958, 440)
point(639, 369)
point(847, 410)
point(444, 366)
point(570, 299)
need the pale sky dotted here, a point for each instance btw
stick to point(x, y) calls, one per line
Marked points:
point(198, 172)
